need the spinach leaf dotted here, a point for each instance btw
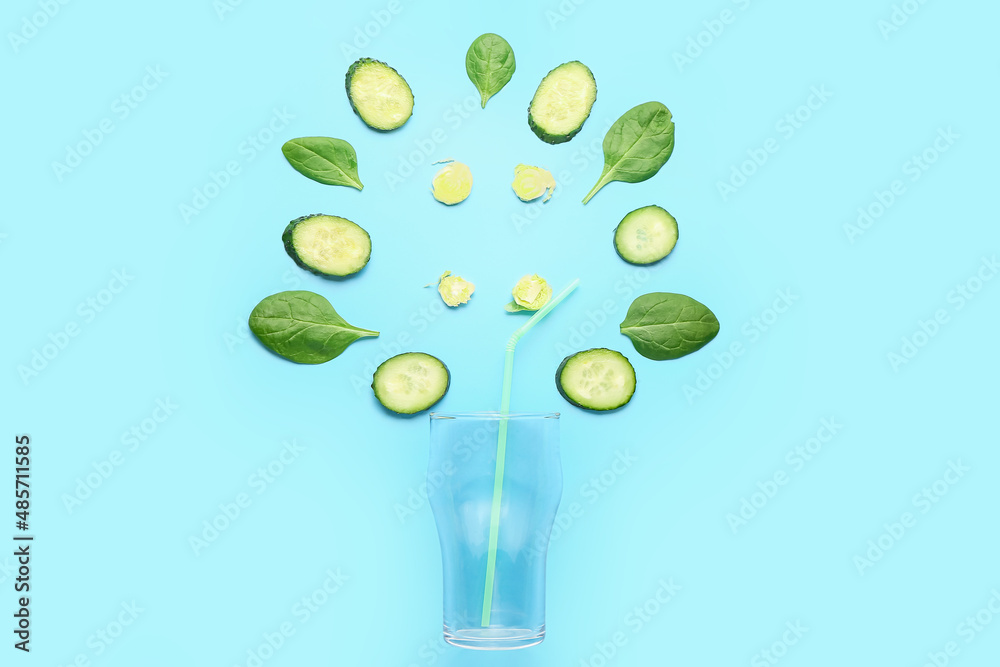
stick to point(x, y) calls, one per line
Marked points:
point(490, 64)
point(324, 160)
point(668, 326)
point(637, 145)
point(303, 327)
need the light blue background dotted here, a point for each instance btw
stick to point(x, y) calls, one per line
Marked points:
point(177, 330)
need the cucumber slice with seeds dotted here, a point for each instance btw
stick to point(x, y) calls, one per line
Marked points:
point(378, 94)
point(562, 102)
point(327, 245)
point(411, 382)
point(646, 235)
point(598, 379)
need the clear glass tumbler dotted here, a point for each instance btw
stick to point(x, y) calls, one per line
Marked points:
point(460, 476)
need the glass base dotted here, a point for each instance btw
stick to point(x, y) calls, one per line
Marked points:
point(494, 639)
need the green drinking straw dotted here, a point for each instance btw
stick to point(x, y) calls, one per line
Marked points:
point(508, 376)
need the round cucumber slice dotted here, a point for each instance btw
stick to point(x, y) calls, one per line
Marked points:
point(646, 235)
point(327, 245)
point(562, 102)
point(411, 382)
point(378, 94)
point(599, 379)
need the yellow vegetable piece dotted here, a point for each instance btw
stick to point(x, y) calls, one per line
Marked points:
point(532, 182)
point(532, 292)
point(453, 183)
point(454, 290)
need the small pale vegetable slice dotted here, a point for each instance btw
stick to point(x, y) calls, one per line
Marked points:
point(454, 290)
point(453, 183)
point(530, 293)
point(532, 182)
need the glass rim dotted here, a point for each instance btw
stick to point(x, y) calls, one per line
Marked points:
point(493, 415)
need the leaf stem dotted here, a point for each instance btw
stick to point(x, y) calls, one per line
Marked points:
point(600, 184)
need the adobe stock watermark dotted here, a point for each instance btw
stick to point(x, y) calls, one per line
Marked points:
point(699, 42)
point(106, 636)
point(223, 8)
point(923, 502)
point(533, 210)
point(132, 440)
point(901, 13)
point(462, 451)
point(418, 497)
point(418, 322)
point(595, 319)
point(913, 170)
point(793, 633)
point(560, 13)
point(86, 312)
point(121, 108)
point(787, 126)
point(32, 24)
point(302, 612)
point(241, 333)
point(370, 31)
point(797, 458)
point(634, 622)
point(971, 627)
point(581, 159)
point(8, 568)
point(430, 651)
point(589, 493)
point(258, 482)
point(751, 331)
point(910, 345)
point(425, 148)
point(246, 152)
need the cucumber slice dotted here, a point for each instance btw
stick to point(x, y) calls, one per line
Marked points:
point(378, 94)
point(410, 382)
point(646, 235)
point(562, 102)
point(327, 245)
point(597, 379)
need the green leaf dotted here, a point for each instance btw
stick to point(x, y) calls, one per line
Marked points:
point(515, 307)
point(324, 160)
point(637, 145)
point(490, 64)
point(668, 326)
point(303, 327)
